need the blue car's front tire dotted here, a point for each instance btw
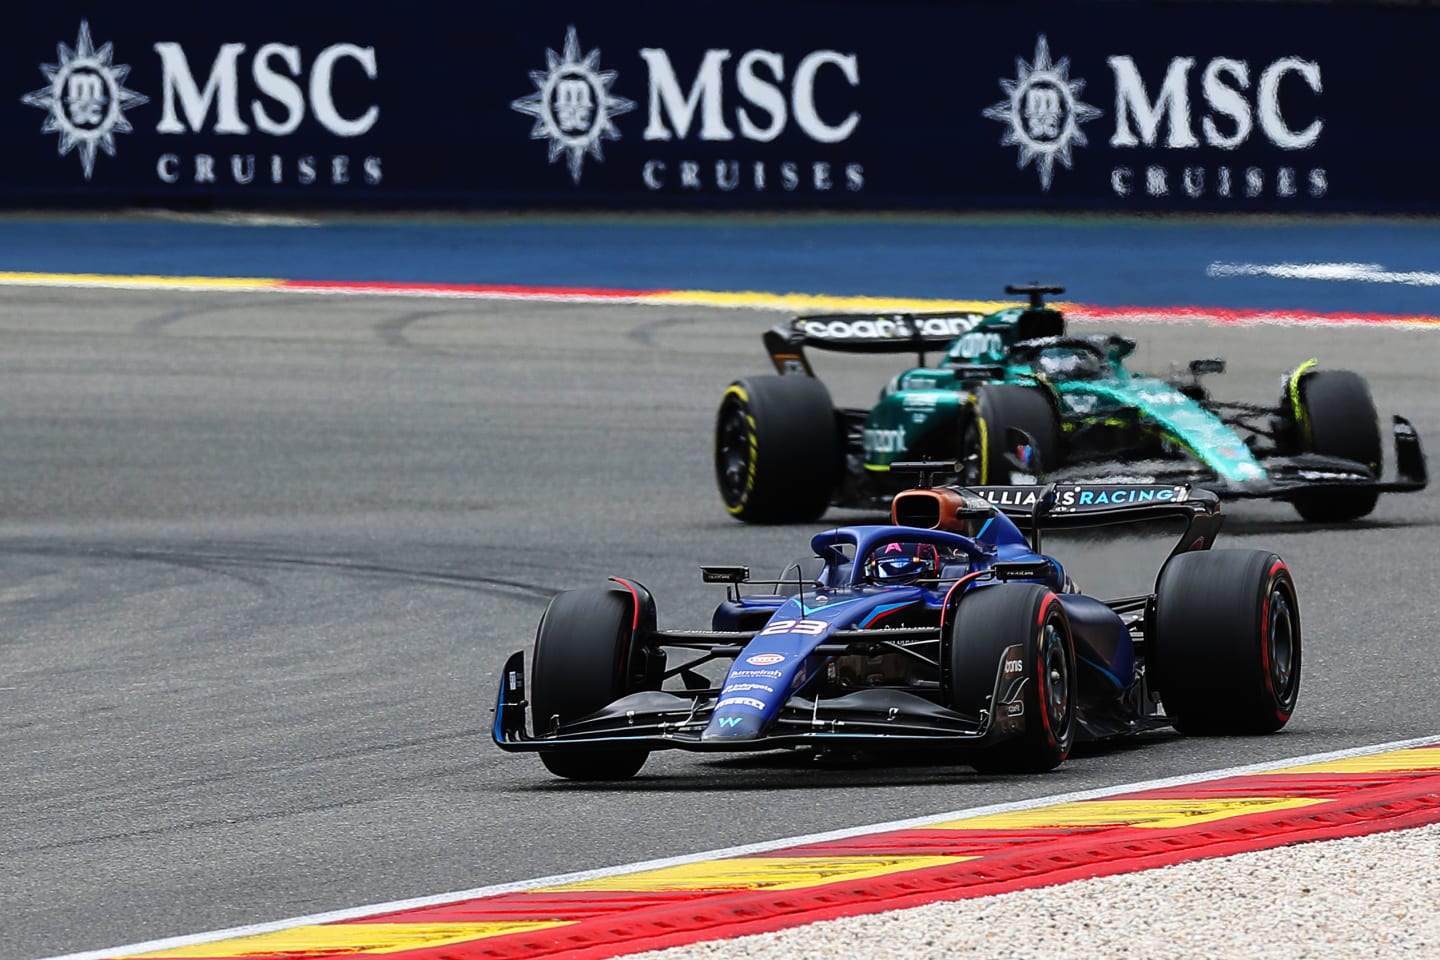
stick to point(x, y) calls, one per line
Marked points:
point(584, 659)
point(988, 622)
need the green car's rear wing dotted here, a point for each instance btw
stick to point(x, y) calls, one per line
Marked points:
point(864, 333)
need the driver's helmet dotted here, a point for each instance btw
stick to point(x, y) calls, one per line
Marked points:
point(1069, 363)
point(903, 562)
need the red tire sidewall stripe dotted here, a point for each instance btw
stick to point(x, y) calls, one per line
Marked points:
point(1271, 581)
point(1040, 671)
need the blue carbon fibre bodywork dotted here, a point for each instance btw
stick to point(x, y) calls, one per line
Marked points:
point(878, 641)
point(778, 661)
point(781, 659)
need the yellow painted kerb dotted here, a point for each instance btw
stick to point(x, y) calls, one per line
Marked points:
point(357, 939)
point(139, 280)
point(1396, 761)
point(760, 873)
point(812, 303)
point(1158, 814)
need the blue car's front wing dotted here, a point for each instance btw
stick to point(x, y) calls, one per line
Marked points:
point(656, 720)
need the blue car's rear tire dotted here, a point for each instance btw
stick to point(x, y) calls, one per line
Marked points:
point(584, 659)
point(983, 448)
point(1225, 651)
point(988, 621)
point(1338, 419)
point(777, 449)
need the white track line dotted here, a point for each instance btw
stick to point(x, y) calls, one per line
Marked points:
point(352, 913)
point(1365, 272)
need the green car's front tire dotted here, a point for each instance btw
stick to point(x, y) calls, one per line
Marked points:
point(1337, 418)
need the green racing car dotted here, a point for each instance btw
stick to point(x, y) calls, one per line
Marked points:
point(1016, 399)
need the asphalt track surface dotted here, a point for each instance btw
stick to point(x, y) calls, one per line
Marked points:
point(263, 555)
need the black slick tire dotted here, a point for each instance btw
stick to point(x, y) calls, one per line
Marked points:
point(1337, 418)
point(777, 449)
point(987, 622)
point(583, 660)
point(1225, 652)
point(982, 437)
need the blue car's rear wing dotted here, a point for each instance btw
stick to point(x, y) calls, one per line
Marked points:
point(1066, 506)
point(864, 333)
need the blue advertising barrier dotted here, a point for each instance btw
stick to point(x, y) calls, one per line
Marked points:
point(743, 105)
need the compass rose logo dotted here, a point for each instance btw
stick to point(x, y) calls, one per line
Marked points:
point(572, 104)
point(85, 99)
point(1043, 110)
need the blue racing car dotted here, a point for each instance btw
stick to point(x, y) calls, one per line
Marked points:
point(947, 630)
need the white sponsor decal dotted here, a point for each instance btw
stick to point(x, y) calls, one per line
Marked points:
point(807, 628)
point(277, 71)
point(1241, 102)
point(977, 343)
point(765, 674)
point(572, 105)
point(880, 440)
point(1043, 112)
point(85, 99)
point(183, 97)
point(746, 688)
point(888, 328)
point(741, 702)
point(1014, 666)
point(1071, 497)
point(919, 402)
point(765, 659)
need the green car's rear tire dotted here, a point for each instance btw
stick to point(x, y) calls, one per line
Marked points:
point(777, 449)
point(584, 659)
point(1225, 657)
point(1337, 418)
point(982, 443)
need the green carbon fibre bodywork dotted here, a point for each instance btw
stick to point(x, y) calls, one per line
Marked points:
point(920, 409)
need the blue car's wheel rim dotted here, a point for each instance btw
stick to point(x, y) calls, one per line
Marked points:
point(1281, 644)
point(1055, 679)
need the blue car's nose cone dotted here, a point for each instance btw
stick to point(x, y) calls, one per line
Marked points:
point(754, 691)
point(732, 727)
